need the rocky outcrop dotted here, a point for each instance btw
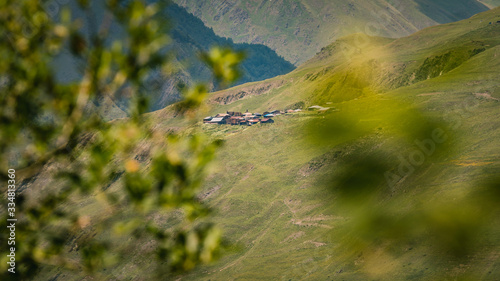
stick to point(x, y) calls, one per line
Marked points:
point(238, 93)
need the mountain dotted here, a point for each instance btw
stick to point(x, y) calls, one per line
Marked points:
point(189, 37)
point(297, 29)
point(271, 188)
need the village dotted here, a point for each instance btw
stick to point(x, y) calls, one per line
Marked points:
point(249, 119)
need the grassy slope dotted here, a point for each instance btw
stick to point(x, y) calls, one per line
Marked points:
point(266, 189)
point(297, 29)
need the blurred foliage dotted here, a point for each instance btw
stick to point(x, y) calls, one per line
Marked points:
point(224, 63)
point(385, 185)
point(43, 123)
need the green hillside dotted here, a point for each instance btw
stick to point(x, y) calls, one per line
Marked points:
point(297, 29)
point(272, 188)
point(271, 192)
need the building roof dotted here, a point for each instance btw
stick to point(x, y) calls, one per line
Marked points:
point(218, 119)
point(316, 107)
point(206, 118)
point(269, 115)
point(265, 119)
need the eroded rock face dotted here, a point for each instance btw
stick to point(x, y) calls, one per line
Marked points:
point(230, 96)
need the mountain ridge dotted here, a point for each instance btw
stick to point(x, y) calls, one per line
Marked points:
point(297, 29)
point(346, 48)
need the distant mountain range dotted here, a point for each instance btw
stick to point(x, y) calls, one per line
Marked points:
point(189, 37)
point(297, 29)
point(274, 34)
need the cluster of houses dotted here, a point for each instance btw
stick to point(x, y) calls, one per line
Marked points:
point(247, 119)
